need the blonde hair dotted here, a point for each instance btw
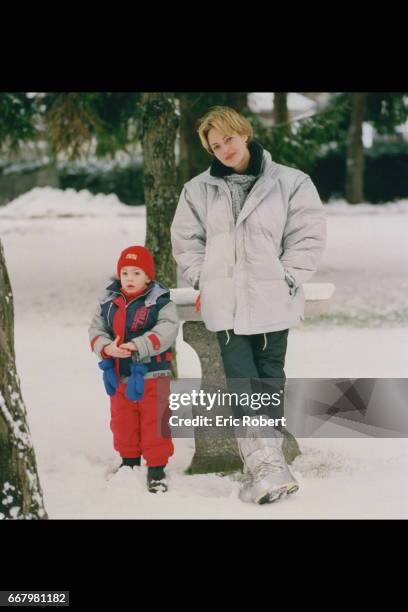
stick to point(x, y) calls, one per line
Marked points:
point(227, 121)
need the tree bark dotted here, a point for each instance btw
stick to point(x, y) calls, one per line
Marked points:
point(280, 107)
point(192, 156)
point(355, 150)
point(213, 453)
point(159, 125)
point(20, 491)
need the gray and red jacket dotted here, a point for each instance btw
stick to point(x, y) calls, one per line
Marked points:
point(150, 321)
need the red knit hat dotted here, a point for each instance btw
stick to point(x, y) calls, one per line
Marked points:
point(137, 256)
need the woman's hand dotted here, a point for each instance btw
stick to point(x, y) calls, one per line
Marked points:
point(113, 350)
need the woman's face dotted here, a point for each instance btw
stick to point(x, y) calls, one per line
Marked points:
point(232, 151)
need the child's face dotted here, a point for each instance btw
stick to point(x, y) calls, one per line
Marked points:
point(133, 279)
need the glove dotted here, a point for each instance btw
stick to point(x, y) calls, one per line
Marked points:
point(135, 384)
point(197, 305)
point(110, 380)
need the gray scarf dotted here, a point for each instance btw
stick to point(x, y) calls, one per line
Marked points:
point(239, 186)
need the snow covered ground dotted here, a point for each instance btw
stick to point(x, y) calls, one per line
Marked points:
point(367, 259)
point(62, 246)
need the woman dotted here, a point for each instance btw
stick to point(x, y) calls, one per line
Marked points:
point(247, 233)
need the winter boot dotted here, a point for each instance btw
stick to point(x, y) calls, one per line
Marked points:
point(127, 465)
point(266, 475)
point(131, 462)
point(156, 479)
point(280, 473)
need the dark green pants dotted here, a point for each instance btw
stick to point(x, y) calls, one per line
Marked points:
point(255, 364)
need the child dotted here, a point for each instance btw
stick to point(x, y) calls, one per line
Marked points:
point(132, 331)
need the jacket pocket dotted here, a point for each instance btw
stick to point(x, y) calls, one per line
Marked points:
point(219, 258)
point(290, 281)
point(261, 257)
point(272, 303)
point(217, 303)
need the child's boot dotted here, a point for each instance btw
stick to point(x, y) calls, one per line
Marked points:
point(156, 479)
point(130, 462)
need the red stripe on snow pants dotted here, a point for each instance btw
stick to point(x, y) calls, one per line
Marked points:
point(142, 427)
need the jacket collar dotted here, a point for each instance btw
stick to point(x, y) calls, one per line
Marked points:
point(269, 172)
point(269, 169)
point(153, 292)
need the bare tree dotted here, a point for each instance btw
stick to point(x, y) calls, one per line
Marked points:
point(20, 491)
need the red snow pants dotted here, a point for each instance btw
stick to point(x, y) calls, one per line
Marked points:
point(142, 427)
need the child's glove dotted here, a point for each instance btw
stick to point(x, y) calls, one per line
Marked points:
point(135, 384)
point(110, 380)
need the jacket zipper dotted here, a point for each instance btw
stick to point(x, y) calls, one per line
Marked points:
point(224, 188)
point(131, 301)
point(126, 305)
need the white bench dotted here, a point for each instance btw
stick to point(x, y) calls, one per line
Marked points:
point(317, 298)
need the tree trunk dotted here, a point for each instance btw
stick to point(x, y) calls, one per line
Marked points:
point(355, 151)
point(160, 124)
point(238, 101)
point(192, 156)
point(213, 453)
point(20, 491)
point(280, 107)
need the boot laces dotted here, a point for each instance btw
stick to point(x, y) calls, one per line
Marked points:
point(271, 463)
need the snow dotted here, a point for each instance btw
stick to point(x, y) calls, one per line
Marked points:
point(14, 511)
point(341, 207)
point(50, 202)
point(368, 134)
point(20, 438)
point(58, 265)
point(367, 260)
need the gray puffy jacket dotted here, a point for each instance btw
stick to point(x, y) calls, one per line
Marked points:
point(250, 273)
